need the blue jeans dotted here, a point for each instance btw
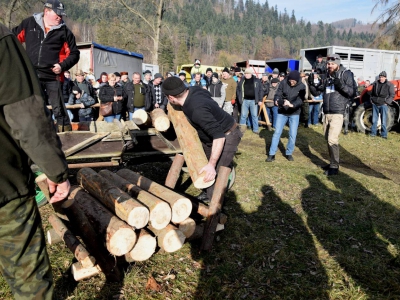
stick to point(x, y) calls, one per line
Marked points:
point(280, 123)
point(383, 111)
point(249, 105)
point(110, 119)
point(134, 109)
point(313, 113)
point(272, 115)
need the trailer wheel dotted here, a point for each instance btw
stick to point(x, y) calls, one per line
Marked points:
point(363, 118)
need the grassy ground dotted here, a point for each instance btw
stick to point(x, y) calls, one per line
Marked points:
point(292, 233)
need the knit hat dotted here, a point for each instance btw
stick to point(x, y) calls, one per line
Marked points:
point(294, 75)
point(209, 69)
point(157, 75)
point(146, 72)
point(274, 80)
point(182, 74)
point(383, 74)
point(275, 71)
point(117, 74)
point(173, 86)
point(335, 58)
point(225, 70)
point(264, 74)
point(288, 70)
point(282, 74)
point(248, 71)
point(76, 90)
point(215, 75)
point(90, 77)
point(319, 56)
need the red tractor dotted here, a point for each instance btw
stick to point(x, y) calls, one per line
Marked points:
point(363, 113)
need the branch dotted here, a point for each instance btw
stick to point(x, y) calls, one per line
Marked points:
point(138, 14)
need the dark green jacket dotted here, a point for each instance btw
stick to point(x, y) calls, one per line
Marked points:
point(26, 127)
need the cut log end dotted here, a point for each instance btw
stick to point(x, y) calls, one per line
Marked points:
point(172, 241)
point(140, 117)
point(144, 248)
point(81, 273)
point(200, 184)
point(138, 217)
point(187, 227)
point(122, 241)
point(160, 216)
point(181, 210)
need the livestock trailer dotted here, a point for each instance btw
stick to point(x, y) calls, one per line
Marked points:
point(282, 64)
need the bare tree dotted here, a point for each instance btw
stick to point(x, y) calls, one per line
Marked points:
point(388, 21)
point(14, 6)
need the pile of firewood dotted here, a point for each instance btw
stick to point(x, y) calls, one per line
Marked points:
point(126, 215)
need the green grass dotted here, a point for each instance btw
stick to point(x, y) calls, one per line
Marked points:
point(292, 232)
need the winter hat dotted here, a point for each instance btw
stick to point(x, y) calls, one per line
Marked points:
point(117, 74)
point(294, 75)
point(237, 69)
point(215, 74)
point(157, 75)
point(209, 69)
point(383, 74)
point(335, 58)
point(182, 74)
point(288, 70)
point(76, 90)
point(225, 70)
point(274, 80)
point(248, 71)
point(282, 74)
point(264, 74)
point(319, 56)
point(90, 77)
point(173, 86)
point(146, 72)
point(275, 71)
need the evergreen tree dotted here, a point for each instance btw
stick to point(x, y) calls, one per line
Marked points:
point(182, 56)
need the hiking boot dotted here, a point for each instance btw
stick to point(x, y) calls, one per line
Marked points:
point(289, 158)
point(270, 158)
point(331, 171)
point(326, 167)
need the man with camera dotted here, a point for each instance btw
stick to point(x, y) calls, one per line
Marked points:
point(339, 87)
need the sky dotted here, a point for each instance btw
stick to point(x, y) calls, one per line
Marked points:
point(328, 11)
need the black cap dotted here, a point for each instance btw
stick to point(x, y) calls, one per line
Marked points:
point(294, 75)
point(76, 89)
point(209, 69)
point(215, 74)
point(282, 74)
point(182, 74)
point(158, 75)
point(146, 72)
point(56, 6)
point(173, 86)
point(383, 74)
point(117, 74)
point(225, 70)
point(319, 56)
point(274, 80)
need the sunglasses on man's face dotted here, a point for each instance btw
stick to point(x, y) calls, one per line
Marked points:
point(331, 58)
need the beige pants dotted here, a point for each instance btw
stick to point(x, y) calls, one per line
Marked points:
point(332, 127)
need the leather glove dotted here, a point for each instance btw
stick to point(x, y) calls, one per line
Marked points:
point(337, 83)
point(233, 101)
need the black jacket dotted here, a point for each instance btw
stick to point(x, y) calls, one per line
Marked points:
point(259, 93)
point(26, 128)
point(295, 94)
point(67, 89)
point(335, 102)
point(130, 95)
point(58, 46)
point(265, 87)
point(86, 100)
point(315, 87)
point(382, 93)
point(107, 94)
point(151, 96)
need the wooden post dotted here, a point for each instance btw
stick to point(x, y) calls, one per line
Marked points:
point(175, 171)
point(41, 182)
point(170, 238)
point(144, 248)
point(202, 210)
point(199, 231)
point(52, 237)
point(160, 211)
point(73, 244)
point(93, 240)
point(181, 206)
point(191, 146)
point(263, 109)
point(120, 203)
point(119, 237)
point(160, 119)
point(215, 208)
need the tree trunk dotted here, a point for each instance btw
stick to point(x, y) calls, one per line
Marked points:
point(181, 206)
point(120, 203)
point(160, 14)
point(160, 211)
point(144, 248)
point(191, 147)
point(170, 238)
point(141, 118)
point(73, 244)
point(91, 238)
point(160, 119)
point(119, 236)
point(175, 171)
point(215, 208)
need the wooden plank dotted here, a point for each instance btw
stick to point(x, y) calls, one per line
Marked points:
point(85, 143)
point(168, 143)
point(75, 106)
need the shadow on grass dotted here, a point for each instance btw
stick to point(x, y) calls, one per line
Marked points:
point(307, 138)
point(359, 231)
point(261, 255)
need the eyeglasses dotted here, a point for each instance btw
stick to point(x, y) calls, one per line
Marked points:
point(331, 58)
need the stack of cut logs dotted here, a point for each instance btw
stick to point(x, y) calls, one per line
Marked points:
point(129, 214)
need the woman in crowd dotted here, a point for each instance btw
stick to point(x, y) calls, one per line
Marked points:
point(110, 92)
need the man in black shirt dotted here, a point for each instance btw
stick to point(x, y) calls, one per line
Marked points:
point(218, 131)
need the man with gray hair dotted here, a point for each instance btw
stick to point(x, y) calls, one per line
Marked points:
point(339, 87)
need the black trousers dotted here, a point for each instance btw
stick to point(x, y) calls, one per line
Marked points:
point(53, 93)
point(232, 141)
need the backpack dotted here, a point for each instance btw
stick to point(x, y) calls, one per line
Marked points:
point(350, 73)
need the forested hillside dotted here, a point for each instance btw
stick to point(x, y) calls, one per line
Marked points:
point(219, 32)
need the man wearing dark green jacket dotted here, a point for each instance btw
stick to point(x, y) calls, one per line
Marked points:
point(26, 133)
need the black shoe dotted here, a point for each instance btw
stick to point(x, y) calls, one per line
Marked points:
point(326, 167)
point(331, 171)
point(306, 125)
point(289, 158)
point(270, 158)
